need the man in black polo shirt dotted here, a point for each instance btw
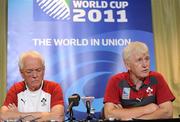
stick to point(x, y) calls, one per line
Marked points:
point(138, 93)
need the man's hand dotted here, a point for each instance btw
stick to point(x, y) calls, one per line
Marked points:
point(12, 107)
point(165, 110)
point(11, 112)
point(118, 112)
point(1, 117)
point(150, 108)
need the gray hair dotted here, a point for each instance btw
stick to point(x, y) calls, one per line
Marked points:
point(134, 47)
point(29, 53)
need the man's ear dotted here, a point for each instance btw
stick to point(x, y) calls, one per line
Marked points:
point(21, 71)
point(127, 65)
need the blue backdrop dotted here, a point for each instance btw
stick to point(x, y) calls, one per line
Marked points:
point(81, 41)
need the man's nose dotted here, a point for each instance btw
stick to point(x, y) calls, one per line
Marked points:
point(34, 74)
point(144, 63)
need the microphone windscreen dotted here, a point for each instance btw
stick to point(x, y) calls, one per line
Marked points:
point(75, 98)
point(76, 95)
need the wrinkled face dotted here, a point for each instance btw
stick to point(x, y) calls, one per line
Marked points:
point(138, 65)
point(32, 72)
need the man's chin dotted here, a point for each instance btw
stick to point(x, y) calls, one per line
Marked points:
point(145, 75)
point(34, 88)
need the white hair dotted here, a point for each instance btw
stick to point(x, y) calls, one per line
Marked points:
point(29, 53)
point(134, 47)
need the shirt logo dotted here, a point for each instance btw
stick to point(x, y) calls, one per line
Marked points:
point(23, 101)
point(43, 101)
point(149, 91)
point(126, 93)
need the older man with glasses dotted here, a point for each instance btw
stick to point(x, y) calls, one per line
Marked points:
point(34, 97)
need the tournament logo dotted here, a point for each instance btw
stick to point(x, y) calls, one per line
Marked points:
point(126, 93)
point(55, 9)
point(94, 11)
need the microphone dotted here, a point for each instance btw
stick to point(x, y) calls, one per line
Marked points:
point(88, 106)
point(88, 101)
point(73, 101)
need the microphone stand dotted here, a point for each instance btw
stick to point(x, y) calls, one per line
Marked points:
point(71, 115)
point(90, 111)
point(89, 117)
point(70, 111)
point(73, 101)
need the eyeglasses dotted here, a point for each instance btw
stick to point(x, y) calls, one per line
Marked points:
point(31, 71)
